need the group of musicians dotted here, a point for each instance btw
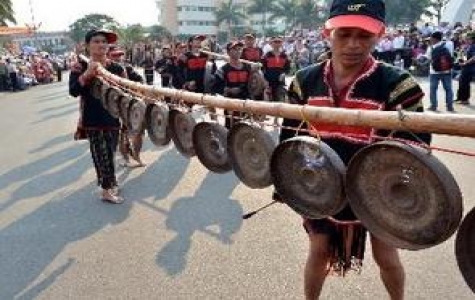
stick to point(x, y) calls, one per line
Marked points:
point(351, 78)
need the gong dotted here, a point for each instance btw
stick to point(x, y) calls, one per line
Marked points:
point(156, 123)
point(256, 84)
point(113, 101)
point(250, 149)
point(210, 144)
point(105, 88)
point(181, 131)
point(404, 195)
point(465, 249)
point(136, 117)
point(96, 88)
point(309, 175)
point(126, 102)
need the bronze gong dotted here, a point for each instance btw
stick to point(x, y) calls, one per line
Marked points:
point(309, 175)
point(136, 117)
point(256, 84)
point(181, 130)
point(105, 89)
point(156, 123)
point(210, 143)
point(404, 195)
point(113, 101)
point(465, 249)
point(250, 149)
point(125, 103)
point(96, 88)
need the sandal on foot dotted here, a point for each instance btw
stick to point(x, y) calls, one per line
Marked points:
point(112, 198)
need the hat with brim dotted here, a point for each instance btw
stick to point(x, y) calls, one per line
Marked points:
point(356, 21)
point(368, 15)
point(233, 45)
point(110, 36)
point(117, 52)
point(199, 37)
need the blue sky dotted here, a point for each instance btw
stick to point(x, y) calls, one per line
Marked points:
point(59, 14)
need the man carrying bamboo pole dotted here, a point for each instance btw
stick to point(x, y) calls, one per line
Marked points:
point(351, 79)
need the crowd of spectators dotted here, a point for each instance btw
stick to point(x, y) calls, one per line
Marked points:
point(22, 71)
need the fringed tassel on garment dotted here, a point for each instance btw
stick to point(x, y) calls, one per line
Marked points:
point(348, 246)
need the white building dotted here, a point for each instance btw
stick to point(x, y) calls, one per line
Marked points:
point(197, 16)
point(55, 41)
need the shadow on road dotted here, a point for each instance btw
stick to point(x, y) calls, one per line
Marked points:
point(53, 96)
point(41, 166)
point(49, 182)
point(57, 140)
point(159, 178)
point(210, 207)
point(35, 240)
point(53, 116)
point(34, 291)
point(59, 107)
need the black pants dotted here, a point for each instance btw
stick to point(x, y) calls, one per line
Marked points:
point(14, 81)
point(166, 81)
point(149, 76)
point(3, 82)
point(463, 92)
point(103, 144)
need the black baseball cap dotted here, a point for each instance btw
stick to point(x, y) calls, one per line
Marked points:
point(368, 15)
point(110, 36)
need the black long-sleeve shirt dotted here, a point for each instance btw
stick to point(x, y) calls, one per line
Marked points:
point(94, 115)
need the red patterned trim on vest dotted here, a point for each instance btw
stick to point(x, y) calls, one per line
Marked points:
point(356, 134)
point(352, 133)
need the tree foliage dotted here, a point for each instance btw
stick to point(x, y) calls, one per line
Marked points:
point(287, 11)
point(131, 34)
point(6, 12)
point(80, 27)
point(264, 7)
point(435, 8)
point(158, 32)
point(229, 14)
point(405, 11)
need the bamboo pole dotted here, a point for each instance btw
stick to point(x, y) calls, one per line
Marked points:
point(449, 124)
point(226, 58)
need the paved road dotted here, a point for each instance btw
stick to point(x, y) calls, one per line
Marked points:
point(180, 234)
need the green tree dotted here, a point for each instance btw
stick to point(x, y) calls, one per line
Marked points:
point(309, 13)
point(263, 7)
point(6, 12)
point(435, 8)
point(285, 10)
point(80, 27)
point(158, 32)
point(405, 11)
point(229, 14)
point(132, 34)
